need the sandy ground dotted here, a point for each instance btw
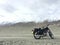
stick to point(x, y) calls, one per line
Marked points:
point(20, 35)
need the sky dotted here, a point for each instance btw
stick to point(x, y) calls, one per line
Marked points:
point(29, 10)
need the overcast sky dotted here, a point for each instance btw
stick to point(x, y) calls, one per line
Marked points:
point(29, 10)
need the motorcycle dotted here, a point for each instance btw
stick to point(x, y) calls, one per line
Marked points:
point(38, 33)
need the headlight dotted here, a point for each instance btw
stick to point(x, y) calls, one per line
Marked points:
point(32, 31)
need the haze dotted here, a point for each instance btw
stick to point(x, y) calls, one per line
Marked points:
point(29, 10)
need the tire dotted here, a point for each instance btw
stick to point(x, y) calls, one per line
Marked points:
point(51, 36)
point(37, 36)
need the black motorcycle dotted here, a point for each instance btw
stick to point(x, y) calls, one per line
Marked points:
point(38, 33)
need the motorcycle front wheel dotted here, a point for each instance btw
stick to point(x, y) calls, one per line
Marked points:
point(37, 36)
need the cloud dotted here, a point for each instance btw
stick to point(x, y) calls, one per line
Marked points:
point(8, 8)
point(3, 1)
point(30, 10)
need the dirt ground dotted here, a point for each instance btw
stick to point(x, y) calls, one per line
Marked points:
point(22, 35)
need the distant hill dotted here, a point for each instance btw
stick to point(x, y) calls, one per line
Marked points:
point(39, 24)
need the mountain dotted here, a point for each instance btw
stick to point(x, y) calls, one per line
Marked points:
point(38, 24)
